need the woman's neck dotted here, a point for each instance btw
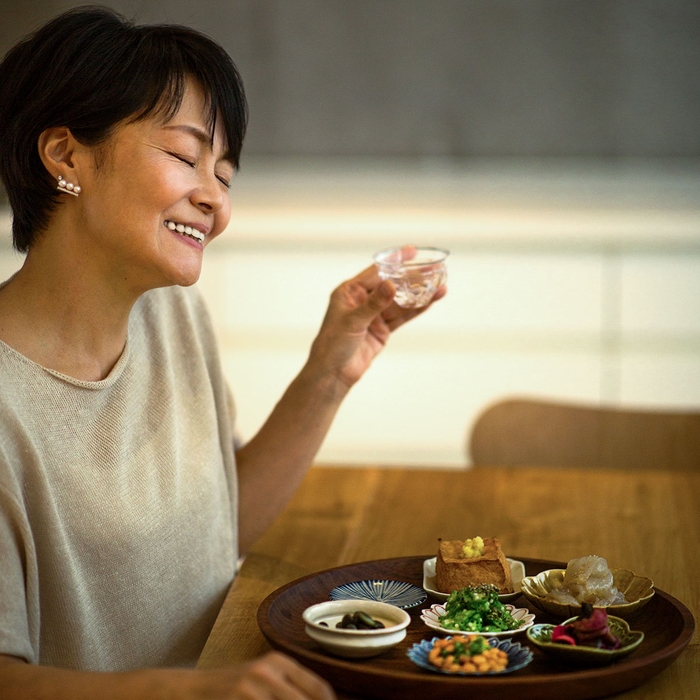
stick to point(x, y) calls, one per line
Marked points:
point(64, 315)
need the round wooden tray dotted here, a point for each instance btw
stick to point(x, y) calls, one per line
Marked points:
point(667, 624)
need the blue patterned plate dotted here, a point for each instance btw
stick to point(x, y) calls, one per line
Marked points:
point(518, 656)
point(398, 593)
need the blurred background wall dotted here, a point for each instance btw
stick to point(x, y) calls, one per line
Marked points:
point(448, 77)
point(552, 145)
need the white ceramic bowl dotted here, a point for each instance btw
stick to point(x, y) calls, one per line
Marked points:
point(355, 643)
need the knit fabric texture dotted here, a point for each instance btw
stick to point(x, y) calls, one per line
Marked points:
point(118, 522)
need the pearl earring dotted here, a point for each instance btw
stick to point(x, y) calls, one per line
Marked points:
point(67, 187)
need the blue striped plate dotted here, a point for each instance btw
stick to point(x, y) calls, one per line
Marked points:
point(398, 593)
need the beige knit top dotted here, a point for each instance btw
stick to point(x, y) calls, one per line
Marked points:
point(118, 532)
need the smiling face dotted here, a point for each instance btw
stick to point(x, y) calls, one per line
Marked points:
point(158, 199)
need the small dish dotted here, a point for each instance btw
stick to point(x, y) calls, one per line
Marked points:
point(355, 643)
point(431, 617)
point(398, 593)
point(517, 573)
point(541, 637)
point(518, 656)
point(637, 589)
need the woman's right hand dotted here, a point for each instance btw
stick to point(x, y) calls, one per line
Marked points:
point(270, 677)
point(273, 677)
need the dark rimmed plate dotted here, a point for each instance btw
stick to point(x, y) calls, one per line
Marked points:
point(667, 624)
point(518, 656)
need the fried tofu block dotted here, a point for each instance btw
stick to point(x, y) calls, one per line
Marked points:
point(453, 571)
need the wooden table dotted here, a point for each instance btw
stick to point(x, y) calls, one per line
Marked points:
point(648, 522)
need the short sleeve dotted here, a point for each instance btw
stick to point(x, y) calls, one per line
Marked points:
point(17, 581)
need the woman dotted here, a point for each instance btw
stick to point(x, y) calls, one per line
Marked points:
point(124, 502)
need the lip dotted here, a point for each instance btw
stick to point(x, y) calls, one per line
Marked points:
point(199, 245)
point(191, 239)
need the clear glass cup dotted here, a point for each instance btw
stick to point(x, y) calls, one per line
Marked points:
point(416, 271)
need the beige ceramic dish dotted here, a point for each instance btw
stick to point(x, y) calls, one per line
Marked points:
point(321, 619)
point(638, 590)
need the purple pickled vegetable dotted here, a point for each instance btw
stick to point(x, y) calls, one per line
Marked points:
point(589, 629)
point(560, 635)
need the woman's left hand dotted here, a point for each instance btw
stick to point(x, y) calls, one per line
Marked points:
point(360, 318)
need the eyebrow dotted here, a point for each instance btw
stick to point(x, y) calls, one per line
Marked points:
point(201, 136)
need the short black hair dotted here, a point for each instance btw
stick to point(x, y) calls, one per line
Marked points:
point(89, 69)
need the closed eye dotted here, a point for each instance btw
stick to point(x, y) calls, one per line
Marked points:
point(183, 159)
point(224, 182)
point(192, 164)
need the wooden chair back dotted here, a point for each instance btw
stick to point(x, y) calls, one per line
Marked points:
point(531, 432)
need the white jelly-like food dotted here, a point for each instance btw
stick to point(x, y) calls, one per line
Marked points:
point(588, 580)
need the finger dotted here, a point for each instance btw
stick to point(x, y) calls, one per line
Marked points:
point(377, 302)
point(280, 677)
point(368, 278)
point(408, 252)
point(314, 686)
point(440, 293)
point(396, 256)
point(370, 275)
point(264, 683)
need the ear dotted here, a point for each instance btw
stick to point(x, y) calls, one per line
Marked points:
point(56, 150)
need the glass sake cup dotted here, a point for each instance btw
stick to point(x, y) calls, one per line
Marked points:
point(416, 271)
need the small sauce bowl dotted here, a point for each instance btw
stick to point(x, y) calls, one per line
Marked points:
point(355, 643)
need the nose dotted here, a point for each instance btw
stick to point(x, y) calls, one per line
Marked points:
point(210, 195)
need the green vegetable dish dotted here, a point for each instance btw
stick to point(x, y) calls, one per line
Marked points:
point(477, 609)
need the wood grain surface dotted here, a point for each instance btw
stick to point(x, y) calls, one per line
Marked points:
point(648, 522)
